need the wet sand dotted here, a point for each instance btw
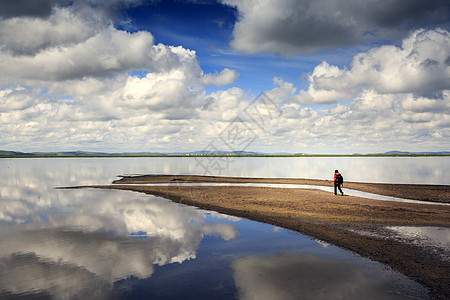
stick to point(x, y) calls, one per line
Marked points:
point(353, 223)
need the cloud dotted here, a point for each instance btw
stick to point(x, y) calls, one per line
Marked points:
point(281, 91)
point(418, 66)
point(225, 77)
point(106, 53)
point(43, 9)
point(29, 8)
point(29, 36)
point(224, 105)
point(16, 99)
point(303, 26)
point(422, 104)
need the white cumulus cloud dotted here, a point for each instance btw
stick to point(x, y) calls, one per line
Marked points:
point(419, 65)
point(226, 76)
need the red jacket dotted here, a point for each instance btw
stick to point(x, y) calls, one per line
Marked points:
point(334, 180)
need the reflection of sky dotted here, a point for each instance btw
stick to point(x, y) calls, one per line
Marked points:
point(431, 170)
point(437, 237)
point(293, 276)
point(86, 236)
point(104, 244)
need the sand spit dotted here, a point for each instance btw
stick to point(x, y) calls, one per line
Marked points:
point(422, 192)
point(341, 221)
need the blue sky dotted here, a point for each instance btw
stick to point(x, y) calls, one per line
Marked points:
point(184, 75)
point(207, 28)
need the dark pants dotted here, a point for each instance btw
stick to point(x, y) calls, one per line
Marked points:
point(338, 186)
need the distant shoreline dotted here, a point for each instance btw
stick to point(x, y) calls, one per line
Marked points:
point(227, 155)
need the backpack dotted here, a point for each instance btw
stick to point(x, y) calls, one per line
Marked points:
point(339, 179)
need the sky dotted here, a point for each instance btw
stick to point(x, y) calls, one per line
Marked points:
point(291, 76)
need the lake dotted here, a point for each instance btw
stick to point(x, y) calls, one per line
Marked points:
point(103, 244)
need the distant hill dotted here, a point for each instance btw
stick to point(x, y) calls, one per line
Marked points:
point(11, 153)
point(38, 154)
point(85, 153)
point(4, 153)
point(246, 153)
point(415, 153)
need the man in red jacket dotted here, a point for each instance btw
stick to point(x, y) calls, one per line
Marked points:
point(338, 180)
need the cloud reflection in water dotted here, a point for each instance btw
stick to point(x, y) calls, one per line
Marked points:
point(298, 276)
point(91, 243)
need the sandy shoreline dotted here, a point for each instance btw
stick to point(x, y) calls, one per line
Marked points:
point(353, 223)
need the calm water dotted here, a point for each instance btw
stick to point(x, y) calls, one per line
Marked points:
point(94, 244)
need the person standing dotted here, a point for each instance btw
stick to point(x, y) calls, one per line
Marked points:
point(338, 180)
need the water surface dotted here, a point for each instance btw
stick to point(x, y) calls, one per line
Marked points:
point(105, 244)
point(415, 170)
